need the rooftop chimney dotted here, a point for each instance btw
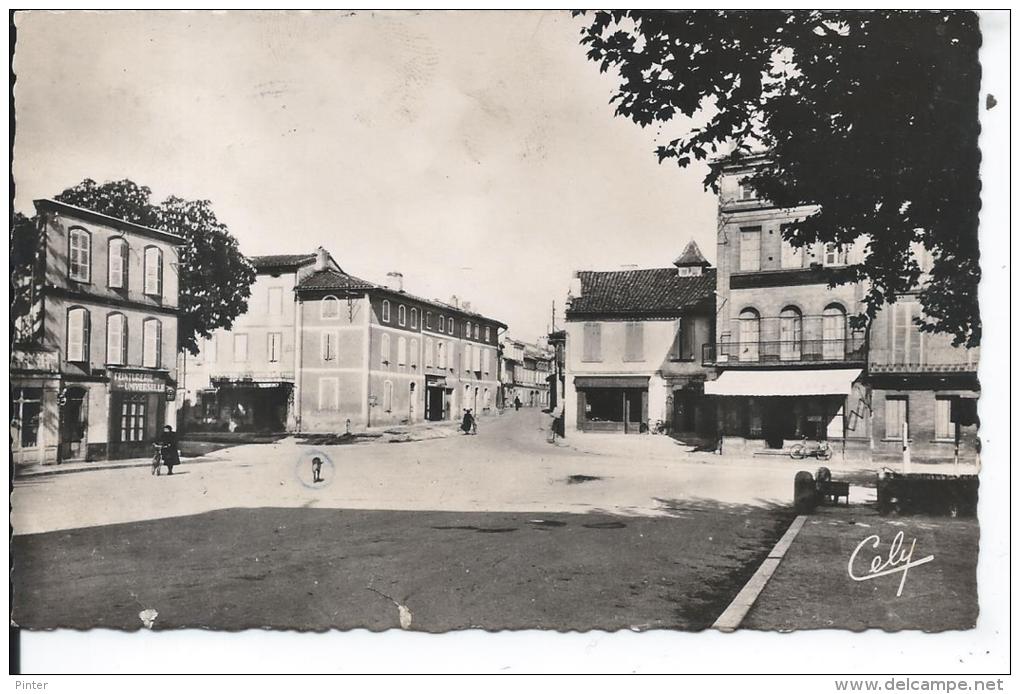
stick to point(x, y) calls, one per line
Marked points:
point(321, 259)
point(466, 305)
point(454, 301)
point(395, 281)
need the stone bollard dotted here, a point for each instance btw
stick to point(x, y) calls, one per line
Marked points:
point(805, 496)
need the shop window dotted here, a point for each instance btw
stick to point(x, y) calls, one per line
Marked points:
point(329, 309)
point(896, 416)
point(152, 343)
point(153, 271)
point(79, 263)
point(603, 405)
point(132, 418)
point(78, 335)
point(26, 411)
point(117, 263)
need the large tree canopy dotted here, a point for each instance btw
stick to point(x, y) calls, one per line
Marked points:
point(215, 278)
point(871, 115)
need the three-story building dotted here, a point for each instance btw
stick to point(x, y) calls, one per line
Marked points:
point(94, 374)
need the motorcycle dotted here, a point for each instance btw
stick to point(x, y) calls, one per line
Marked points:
point(820, 450)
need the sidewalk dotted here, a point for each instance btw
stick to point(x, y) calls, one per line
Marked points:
point(36, 469)
point(812, 589)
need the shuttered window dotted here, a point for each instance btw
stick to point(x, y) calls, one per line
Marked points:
point(634, 342)
point(944, 429)
point(153, 271)
point(896, 415)
point(592, 342)
point(78, 329)
point(117, 264)
point(750, 249)
point(152, 339)
point(80, 255)
point(116, 339)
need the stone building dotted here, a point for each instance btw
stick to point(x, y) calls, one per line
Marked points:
point(93, 367)
point(633, 341)
point(353, 354)
point(525, 375)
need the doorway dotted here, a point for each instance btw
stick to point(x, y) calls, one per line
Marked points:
point(74, 424)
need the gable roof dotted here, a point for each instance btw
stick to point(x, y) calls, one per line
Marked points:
point(630, 292)
point(100, 218)
point(691, 256)
point(283, 262)
point(331, 279)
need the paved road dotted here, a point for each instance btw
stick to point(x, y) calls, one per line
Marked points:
point(508, 467)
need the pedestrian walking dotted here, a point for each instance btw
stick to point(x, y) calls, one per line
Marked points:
point(517, 403)
point(467, 424)
point(167, 445)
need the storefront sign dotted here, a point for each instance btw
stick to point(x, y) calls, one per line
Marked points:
point(137, 382)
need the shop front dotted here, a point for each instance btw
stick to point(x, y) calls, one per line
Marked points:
point(138, 402)
point(612, 404)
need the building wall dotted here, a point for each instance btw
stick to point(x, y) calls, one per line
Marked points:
point(317, 374)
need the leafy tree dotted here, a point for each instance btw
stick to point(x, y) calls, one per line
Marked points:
point(214, 277)
point(24, 244)
point(873, 115)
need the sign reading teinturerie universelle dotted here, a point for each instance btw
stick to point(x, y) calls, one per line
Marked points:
point(137, 381)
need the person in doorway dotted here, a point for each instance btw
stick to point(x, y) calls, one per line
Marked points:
point(517, 403)
point(316, 469)
point(167, 445)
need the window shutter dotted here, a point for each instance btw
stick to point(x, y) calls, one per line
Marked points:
point(75, 331)
point(159, 344)
point(159, 273)
point(634, 342)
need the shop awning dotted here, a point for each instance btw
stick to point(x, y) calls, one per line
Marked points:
point(611, 381)
point(776, 382)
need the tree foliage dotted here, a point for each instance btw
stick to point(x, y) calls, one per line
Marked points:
point(24, 244)
point(214, 277)
point(872, 115)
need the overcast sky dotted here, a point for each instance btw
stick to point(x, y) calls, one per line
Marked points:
point(476, 153)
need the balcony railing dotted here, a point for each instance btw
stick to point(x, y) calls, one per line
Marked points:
point(780, 352)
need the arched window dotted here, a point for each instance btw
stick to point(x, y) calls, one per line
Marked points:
point(386, 311)
point(116, 339)
point(329, 308)
point(153, 271)
point(387, 396)
point(414, 353)
point(790, 333)
point(429, 356)
point(79, 329)
point(401, 315)
point(833, 332)
point(428, 320)
point(451, 326)
point(384, 349)
point(79, 255)
point(442, 324)
point(414, 318)
point(117, 263)
point(441, 354)
point(749, 332)
point(466, 357)
point(152, 343)
point(476, 331)
point(401, 351)
point(467, 330)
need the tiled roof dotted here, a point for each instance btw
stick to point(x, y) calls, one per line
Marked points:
point(691, 256)
point(294, 260)
point(330, 279)
point(659, 290)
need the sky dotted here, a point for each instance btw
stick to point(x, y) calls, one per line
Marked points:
point(475, 152)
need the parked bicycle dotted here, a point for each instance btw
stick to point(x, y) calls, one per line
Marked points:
point(157, 460)
point(811, 449)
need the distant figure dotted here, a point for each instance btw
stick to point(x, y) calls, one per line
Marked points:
point(467, 424)
point(316, 469)
point(167, 444)
point(517, 403)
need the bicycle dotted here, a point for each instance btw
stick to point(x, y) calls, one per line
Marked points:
point(821, 450)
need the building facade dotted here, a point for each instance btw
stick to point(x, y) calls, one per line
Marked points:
point(792, 366)
point(244, 378)
point(353, 354)
point(632, 349)
point(93, 369)
point(525, 374)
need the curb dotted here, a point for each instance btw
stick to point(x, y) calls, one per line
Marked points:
point(58, 470)
point(734, 614)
